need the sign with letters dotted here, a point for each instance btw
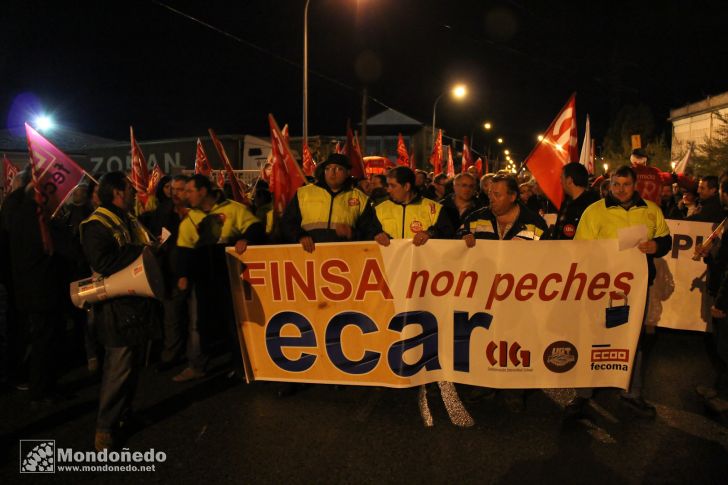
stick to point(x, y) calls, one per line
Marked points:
point(503, 314)
point(678, 297)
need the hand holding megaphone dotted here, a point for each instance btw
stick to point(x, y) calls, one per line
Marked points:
point(141, 278)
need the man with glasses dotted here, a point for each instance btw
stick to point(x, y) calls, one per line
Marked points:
point(331, 210)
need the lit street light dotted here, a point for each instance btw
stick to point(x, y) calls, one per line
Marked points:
point(500, 140)
point(487, 125)
point(305, 73)
point(540, 137)
point(507, 152)
point(459, 91)
point(44, 123)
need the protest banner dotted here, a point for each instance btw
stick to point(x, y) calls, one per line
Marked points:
point(503, 314)
point(678, 297)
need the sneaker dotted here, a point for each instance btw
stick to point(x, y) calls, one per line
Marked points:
point(92, 365)
point(188, 374)
point(165, 366)
point(706, 392)
point(479, 393)
point(515, 402)
point(291, 388)
point(103, 441)
point(639, 406)
point(575, 407)
point(717, 405)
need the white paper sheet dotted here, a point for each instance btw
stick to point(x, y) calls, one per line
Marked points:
point(630, 237)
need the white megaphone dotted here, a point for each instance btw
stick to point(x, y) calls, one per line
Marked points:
point(141, 278)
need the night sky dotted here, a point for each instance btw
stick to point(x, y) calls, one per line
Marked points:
point(101, 66)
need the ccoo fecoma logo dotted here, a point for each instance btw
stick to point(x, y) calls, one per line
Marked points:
point(37, 456)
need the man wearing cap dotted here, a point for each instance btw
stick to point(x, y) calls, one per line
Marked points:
point(331, 210)
point(649, 179)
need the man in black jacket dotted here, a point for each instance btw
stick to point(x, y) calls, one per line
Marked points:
point(331, 210)
point(112, 239)
point(709, 207)
point(575, 180)
point(38, 287)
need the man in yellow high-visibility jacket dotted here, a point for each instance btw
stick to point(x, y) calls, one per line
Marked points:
point(623, 207)
point(408, 215)
point(331, 210)
point(212, 224)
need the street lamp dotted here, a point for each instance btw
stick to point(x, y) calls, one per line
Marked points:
point(507, 152)
point(487, 125)
point(540, 137)
point(459, 91)
point(500, 140)
point(44, 123)
point(305, 73)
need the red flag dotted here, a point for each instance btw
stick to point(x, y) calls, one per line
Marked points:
point(352, 151)
point(202, 163)
point(154, 179)
point(220, 178)
point(10, 171)
point(278, 184)
point(450, 162)
point(553, 152)
point(338, 148)
point(286, 176)
point(412, 164)
point(402, 157)
point(436, 155)
point(467, 160)
point(55, 176)
point(285, 134)
point(479, 167)
point(309, 166)
point(139, 170)
point(238, 192)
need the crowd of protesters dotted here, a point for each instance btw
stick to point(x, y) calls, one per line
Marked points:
point(43, 335)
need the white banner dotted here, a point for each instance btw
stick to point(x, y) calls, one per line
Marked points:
point(678, 297)
point(505, 314)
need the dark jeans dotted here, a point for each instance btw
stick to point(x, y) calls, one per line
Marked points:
point(720, 335)
point(118, 385)
point(176, 319)
point(216, 318)
point(43, 330)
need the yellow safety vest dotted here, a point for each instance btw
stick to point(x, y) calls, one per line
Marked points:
point(319, 210)
point(482, 228)
point(602, 222)
point(226, 221)
point(121, 232)
point(404, 221)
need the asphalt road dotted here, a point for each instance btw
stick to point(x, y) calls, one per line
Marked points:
point(218, 430)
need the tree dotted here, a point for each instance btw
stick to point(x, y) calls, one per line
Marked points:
point(635, 120)
point(711, 156)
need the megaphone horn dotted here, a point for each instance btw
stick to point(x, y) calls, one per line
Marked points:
point(141, 278)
